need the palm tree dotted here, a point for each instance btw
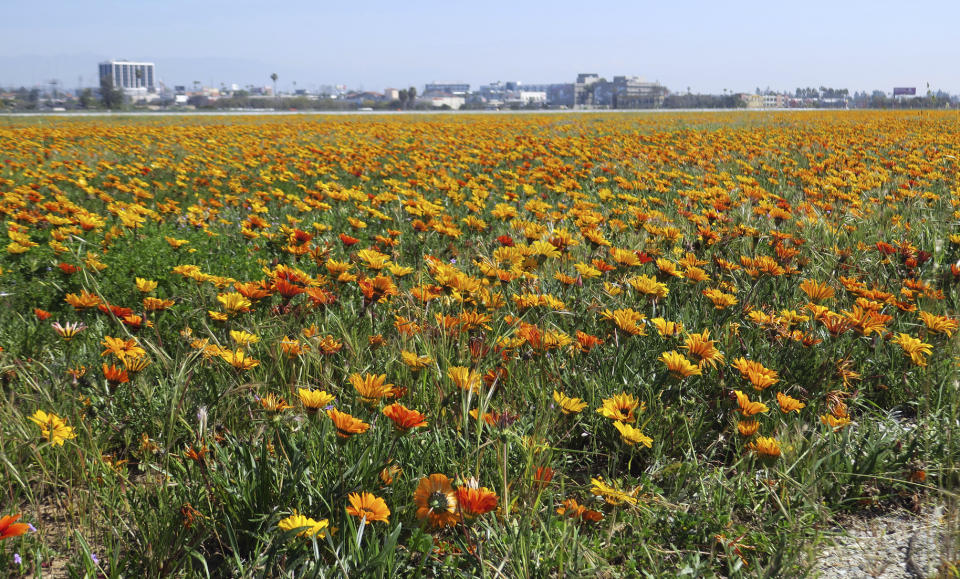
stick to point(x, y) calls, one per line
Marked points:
point(274, 78)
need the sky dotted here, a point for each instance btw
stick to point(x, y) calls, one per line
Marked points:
point(706, 46)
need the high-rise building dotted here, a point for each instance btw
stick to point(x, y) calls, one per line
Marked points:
point(130, 77)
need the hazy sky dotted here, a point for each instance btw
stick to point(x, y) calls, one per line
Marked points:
point(708, 46)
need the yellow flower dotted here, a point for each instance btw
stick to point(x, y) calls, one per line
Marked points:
point(239, 360)
point(766, 447)
point(315, 399)
point(122, 348)
point(632, 435)
point(145, 285)
point(788, 403)
point(568, 405)
point(242, 338)
point(52, 427)
point(666, 328)
point(413, 361)
point(612, 495)
point(464, 378)
point(620, 407)
point(371, 387)
point(310, 527)
point(368, 507)
point(756, 373)
point(913, 347)
point(678, 365)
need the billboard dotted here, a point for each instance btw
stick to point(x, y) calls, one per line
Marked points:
point(904, 91)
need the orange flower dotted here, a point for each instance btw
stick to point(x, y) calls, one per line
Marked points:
point(115, 375)
point(367, 506)
point(475, 500)
point(371, 387)
point(789, 403)
point(346, 424)
point(756, 373)
point(436, 501)
point(404, 418)
point(748, 408)
point(748, 427)
point(9, 527)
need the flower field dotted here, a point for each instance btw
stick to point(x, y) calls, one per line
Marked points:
point(492, 345)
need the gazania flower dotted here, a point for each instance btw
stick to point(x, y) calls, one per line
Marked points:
point(475, 500)
point(404, 418)
point(122, 348)
point(234, 302)
point(678, 365)
point(239, 359)
point(83, 301)
point(720, 299)
point(52, 427)
point(156, 304)
point(315, 399)
point(9, 527)
point(631, 435)
point(574, 510)
point(415, 362)
point(115, 375)
point(788, 403)
point(620, 407)
point(748, 408)
point(145, 285)
point(916, 349)
point(756, 373)
point(816, 291)
point(436, 501)
point(567, 404)
point(390, 473)
point(346, 424)
point(69, 331)
point(136, 364)
point(666, 328)
point(939, 324)
point(748, 427)
point(274, 403)
point(369, 507)
point(765, 447)
point(465, 378)
point(371, 387)
point(310, 527)
point(611, 494)
point(42, 315)
point(242, 338)
point(702, 348)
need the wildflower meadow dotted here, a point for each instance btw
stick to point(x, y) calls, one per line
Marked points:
point(567, 345)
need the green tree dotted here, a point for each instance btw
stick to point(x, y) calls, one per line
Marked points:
point(274, 78)
point(111, 96)
point(412, 96)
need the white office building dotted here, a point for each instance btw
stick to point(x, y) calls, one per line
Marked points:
point(133, 78)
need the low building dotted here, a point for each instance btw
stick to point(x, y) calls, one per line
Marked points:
point(453, 88)
point(632, 92)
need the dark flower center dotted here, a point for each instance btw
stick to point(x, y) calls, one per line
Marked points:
point(438, 501)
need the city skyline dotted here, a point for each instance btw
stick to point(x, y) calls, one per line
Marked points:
point(856, 45)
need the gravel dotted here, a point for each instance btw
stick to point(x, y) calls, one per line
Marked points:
point(894, 546)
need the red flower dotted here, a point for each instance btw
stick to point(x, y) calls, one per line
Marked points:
point(41, 314)
point(347, 240)
point(475, 501)
point(9, 527)
point(505, 240)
